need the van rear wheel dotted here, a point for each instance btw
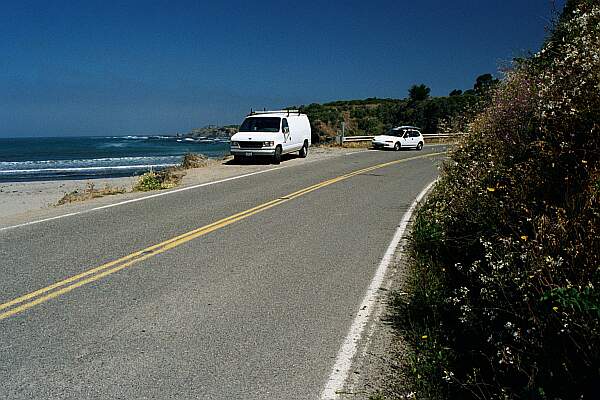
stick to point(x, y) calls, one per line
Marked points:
point(277, 155)
point(420, 146)
point(304, 150)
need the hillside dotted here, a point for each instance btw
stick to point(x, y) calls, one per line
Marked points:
point(211, 132)
point(504, 272)
point(373, 116)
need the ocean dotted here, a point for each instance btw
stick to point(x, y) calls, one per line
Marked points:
point(51, 158)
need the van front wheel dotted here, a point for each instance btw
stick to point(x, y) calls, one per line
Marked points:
point(304, 150)
point(277, 155)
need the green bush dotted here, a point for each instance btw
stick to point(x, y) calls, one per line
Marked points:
point(148, 181)
point(158, 180)
point(506, 250)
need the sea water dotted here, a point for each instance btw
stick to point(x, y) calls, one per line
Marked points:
point(45, 158)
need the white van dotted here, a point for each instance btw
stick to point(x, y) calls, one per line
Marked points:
point(272, 133)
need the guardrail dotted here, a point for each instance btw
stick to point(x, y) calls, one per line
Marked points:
point(350, 139)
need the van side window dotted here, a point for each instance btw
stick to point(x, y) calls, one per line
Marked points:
point(284, 125)
point(414, 134)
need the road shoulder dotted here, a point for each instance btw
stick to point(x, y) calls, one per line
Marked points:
point(381, 358)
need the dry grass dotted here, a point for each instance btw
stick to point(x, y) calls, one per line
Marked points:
point(191, 160)
point(90, 192)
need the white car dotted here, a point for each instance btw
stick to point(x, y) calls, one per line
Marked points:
point(272, 133)
point(401, 137)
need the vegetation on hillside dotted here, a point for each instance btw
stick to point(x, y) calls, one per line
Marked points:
point(211, 132)
point(374, 116)
point(505, 265)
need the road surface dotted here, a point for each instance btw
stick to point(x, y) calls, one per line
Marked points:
point(241, 289)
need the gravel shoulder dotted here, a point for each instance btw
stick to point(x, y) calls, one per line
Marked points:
point(377, 370)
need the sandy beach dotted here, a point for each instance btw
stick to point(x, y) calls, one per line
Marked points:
point(21, 201)
point(20, 197)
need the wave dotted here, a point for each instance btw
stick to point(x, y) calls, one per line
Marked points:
point(84, 169)
point(91, 160)
point(14, 168)
point(136, 137)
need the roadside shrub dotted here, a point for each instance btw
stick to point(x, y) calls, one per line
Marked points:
point(169, 177)
point(192, 160)
point(157, 180)
point(505, 252)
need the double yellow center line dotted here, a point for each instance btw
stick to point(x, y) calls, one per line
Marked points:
point(29, 300)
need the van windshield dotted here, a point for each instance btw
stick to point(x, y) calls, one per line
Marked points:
point(260, 124)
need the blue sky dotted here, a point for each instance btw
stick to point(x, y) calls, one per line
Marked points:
point(110, 67)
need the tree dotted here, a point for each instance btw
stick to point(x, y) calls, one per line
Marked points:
point(418, 92)
point(456, 92)
point(484, 83)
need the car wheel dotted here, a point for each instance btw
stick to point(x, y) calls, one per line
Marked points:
point(420, 146)
point(397, 146)
point(304, 150)
point(277, 155)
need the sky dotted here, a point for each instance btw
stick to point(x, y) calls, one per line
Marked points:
point(114, 68)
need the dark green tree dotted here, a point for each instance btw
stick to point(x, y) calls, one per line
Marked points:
point(484, 83)
point(419, 92)
point(456, 92)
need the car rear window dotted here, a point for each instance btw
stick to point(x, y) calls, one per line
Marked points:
point(260, 124)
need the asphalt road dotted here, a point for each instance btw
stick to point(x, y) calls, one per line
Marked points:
point(256, 308)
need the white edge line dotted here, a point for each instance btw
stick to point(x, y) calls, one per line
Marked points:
point(141, 198)
point(343, 362)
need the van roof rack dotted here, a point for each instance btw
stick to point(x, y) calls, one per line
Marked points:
point(288, 112)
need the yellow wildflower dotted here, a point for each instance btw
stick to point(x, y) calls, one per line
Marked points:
point(491, 189)
point(555, 308)
point(424, 337)
point(524, 238)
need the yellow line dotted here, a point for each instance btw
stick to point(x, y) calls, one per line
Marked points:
point(111, 263)
point(64, 286)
